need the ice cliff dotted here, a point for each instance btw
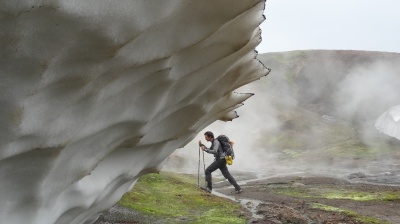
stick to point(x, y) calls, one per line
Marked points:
point(96, 93)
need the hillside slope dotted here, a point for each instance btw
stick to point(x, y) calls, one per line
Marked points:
point(343, 84)
point(325, 104)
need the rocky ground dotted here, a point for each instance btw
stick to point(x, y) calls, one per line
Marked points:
point(311, 199)
point(300, 198)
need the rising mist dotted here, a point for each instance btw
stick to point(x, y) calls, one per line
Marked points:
point(314, 113)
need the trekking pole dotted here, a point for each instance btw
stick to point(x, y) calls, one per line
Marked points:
point(198, 171)
point(204, 164)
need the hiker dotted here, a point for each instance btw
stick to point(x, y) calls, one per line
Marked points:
point(219, 162)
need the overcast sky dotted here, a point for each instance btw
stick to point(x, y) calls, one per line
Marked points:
point(372, 25)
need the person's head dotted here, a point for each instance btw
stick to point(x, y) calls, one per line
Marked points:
point(209, 136)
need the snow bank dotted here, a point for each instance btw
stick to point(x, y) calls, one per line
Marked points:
point(96, 93)
point(389, 122)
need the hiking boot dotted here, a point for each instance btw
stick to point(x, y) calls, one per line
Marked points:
point(238, 191)
point(206, 189)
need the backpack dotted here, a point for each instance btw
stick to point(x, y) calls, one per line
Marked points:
point(226, 146)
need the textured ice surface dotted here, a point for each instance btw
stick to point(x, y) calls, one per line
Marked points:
point(389, 122)
point(95, 93)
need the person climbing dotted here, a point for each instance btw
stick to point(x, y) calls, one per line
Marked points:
point(219, 162)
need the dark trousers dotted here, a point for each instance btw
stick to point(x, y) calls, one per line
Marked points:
point(221, 165)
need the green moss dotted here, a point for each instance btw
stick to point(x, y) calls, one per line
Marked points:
point(391, 196)
point(170, 196)
point(326, 207)
point(334, 193)
point(361, 218)
point(292, 153)
point(364, 196)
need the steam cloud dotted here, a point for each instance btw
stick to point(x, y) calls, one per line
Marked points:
point(340, 93)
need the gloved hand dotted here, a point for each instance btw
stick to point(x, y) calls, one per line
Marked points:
point(202, 146)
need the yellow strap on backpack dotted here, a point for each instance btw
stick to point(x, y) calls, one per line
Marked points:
point(228, 160)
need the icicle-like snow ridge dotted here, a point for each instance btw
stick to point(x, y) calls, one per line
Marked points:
point(96, 93)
